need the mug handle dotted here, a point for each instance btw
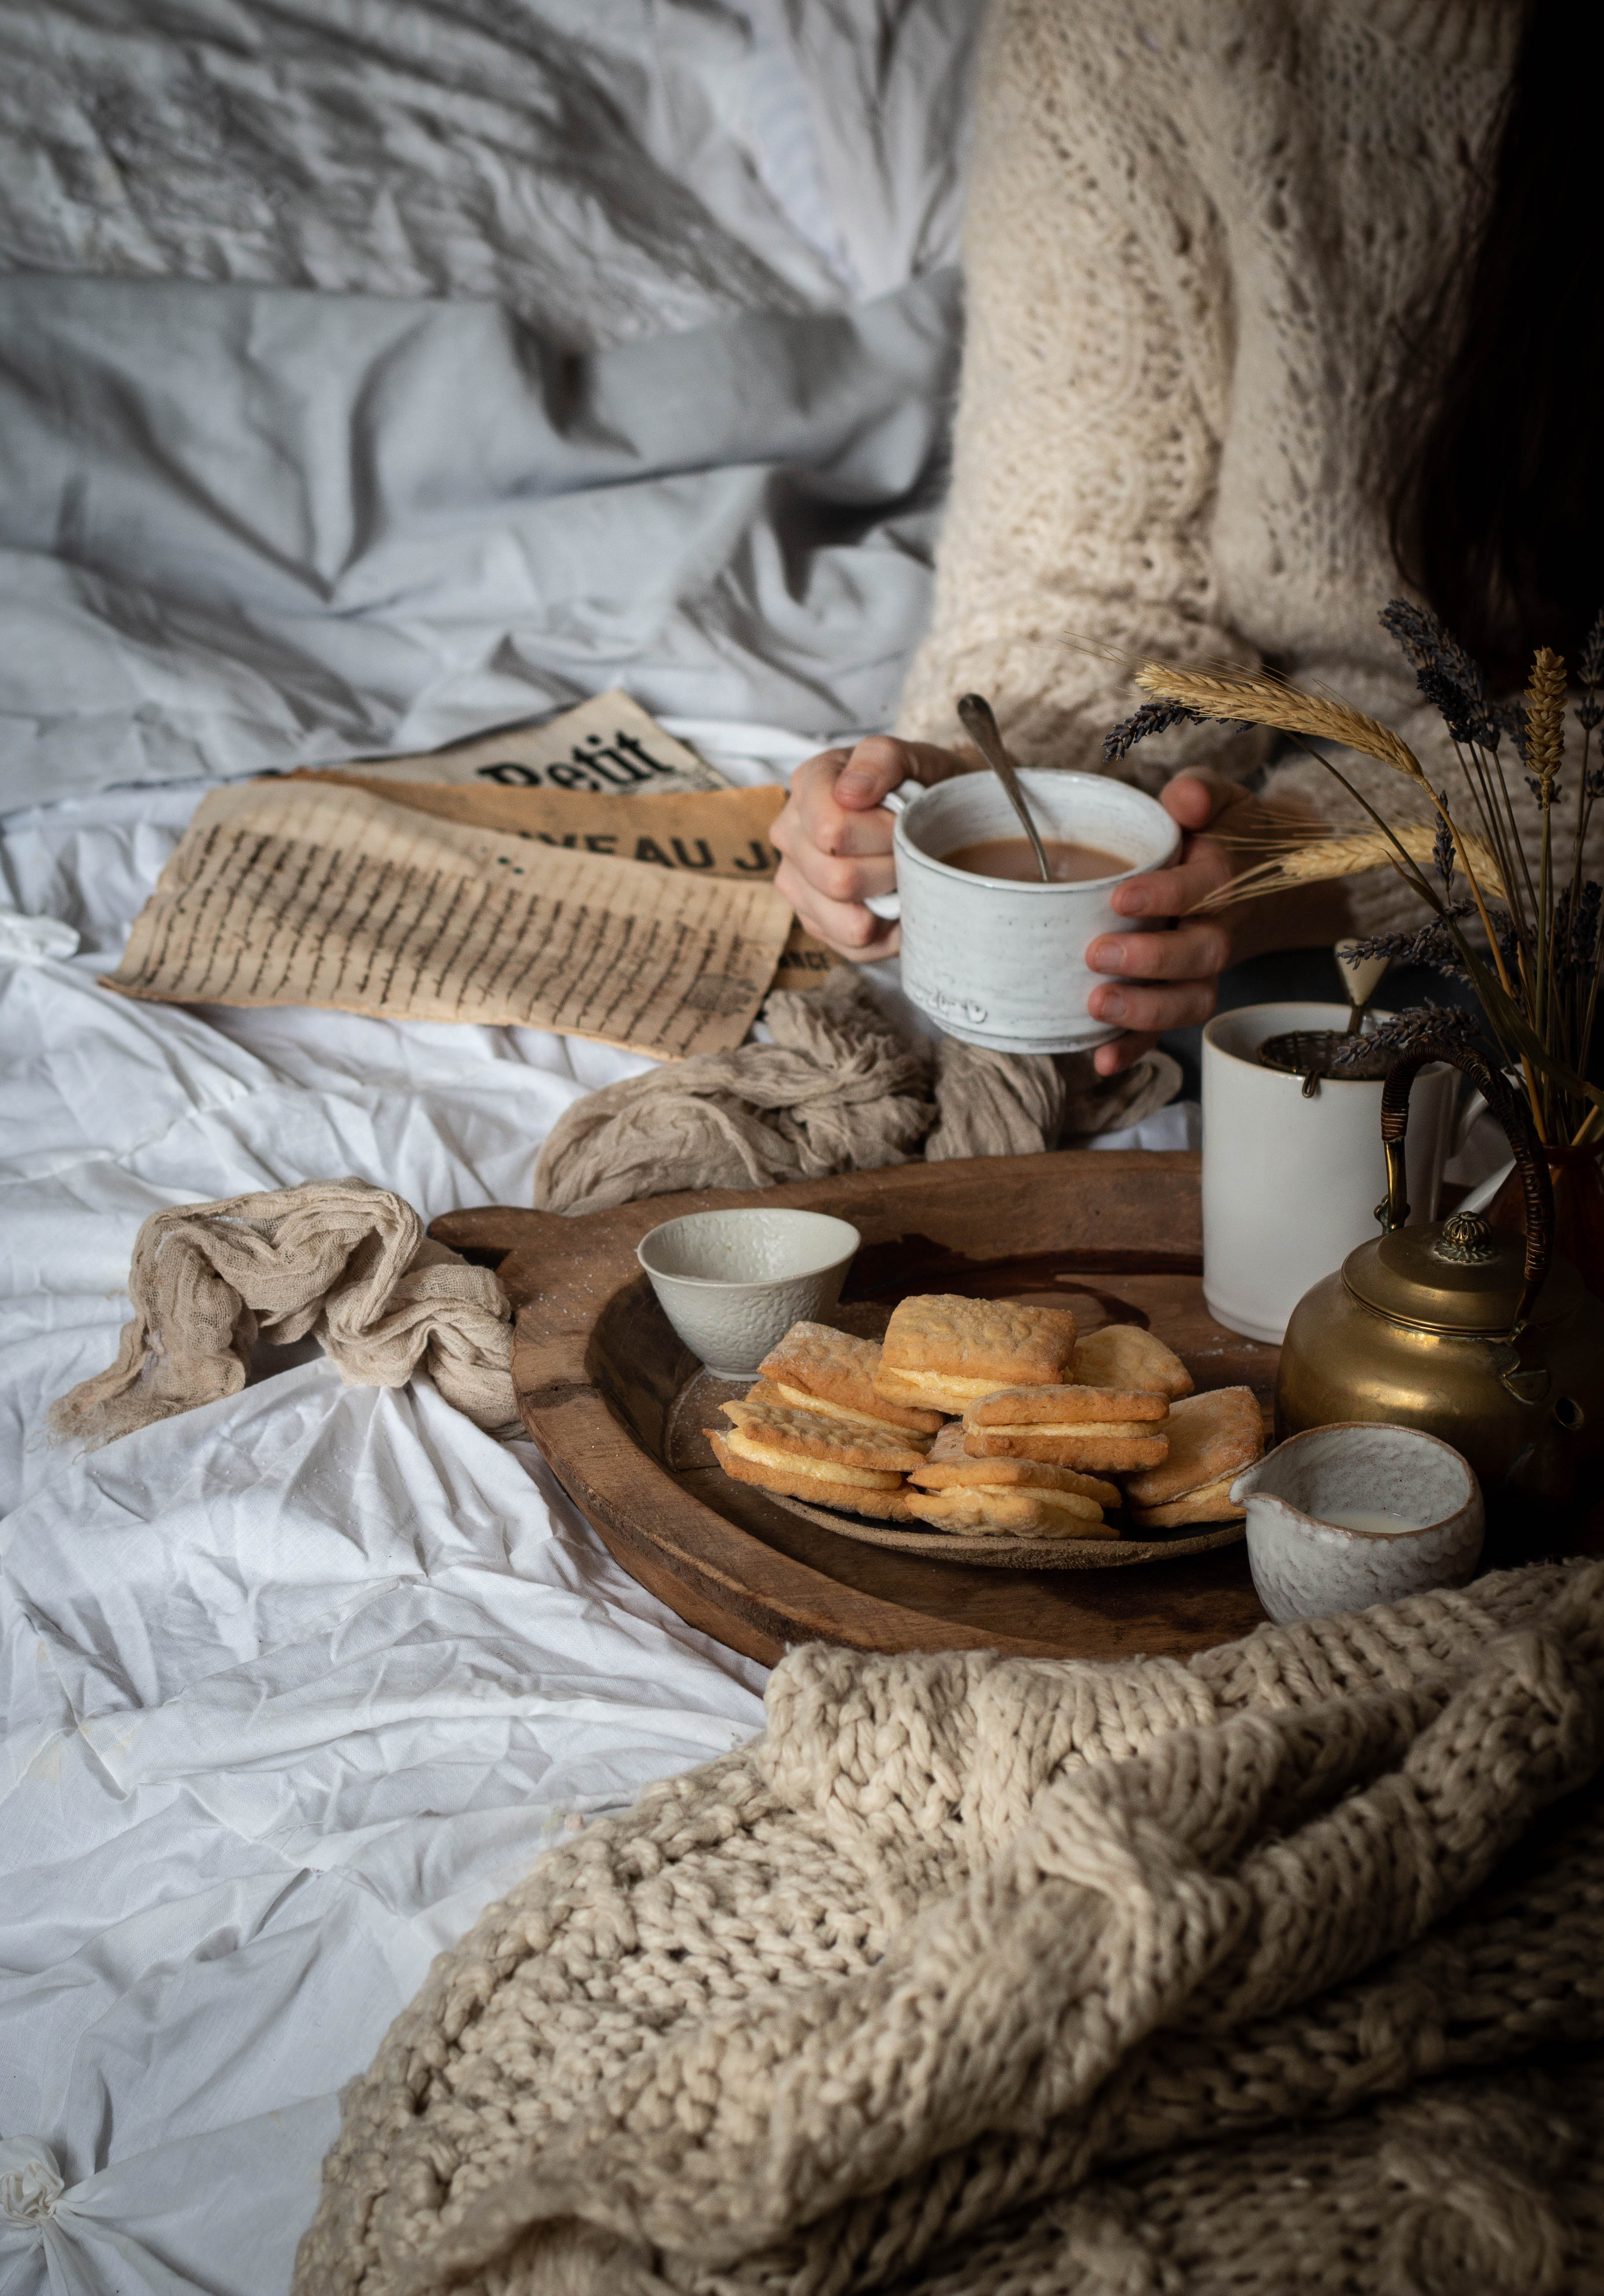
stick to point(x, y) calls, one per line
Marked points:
point(888, 907)
point(1529, 1159)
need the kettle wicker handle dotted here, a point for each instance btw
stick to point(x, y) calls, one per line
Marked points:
point(1510, 1111)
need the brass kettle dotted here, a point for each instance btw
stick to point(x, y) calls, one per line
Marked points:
point(1459, 1328)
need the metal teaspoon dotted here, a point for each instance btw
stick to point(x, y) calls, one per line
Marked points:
point(981, 726)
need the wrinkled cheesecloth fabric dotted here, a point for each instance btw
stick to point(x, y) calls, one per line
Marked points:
point(1278, 1969)
point(341, 1260)
point(840, 1089)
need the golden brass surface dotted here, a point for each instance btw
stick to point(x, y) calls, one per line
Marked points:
point(1484, 1339)
point(1428, 1276)
point(1376, 1341)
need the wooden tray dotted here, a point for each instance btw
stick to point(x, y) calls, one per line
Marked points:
point(1116, 1234)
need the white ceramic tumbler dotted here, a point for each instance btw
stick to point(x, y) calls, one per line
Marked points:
point(1290, 1184)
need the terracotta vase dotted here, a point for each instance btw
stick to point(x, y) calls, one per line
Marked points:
point(1578, 1178)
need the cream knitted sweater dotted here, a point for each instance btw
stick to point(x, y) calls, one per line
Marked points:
point(1194, 227)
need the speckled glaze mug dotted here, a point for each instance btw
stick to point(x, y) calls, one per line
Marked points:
point(1306, 1565)
point(993, 959)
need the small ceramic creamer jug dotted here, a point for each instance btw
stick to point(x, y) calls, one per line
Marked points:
point(1461, 1329)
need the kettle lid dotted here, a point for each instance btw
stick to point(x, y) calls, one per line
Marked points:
point(1457, 1275)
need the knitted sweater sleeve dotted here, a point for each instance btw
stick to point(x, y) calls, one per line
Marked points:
point(1095, 378)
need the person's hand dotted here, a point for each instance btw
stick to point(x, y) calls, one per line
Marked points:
point(1169, 978)
point(834, 838)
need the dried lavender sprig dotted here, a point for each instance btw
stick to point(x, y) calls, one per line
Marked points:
point(1590, 669)
point(1407, 1032)
point(1442, 850)
point(1576, 929)
point(1415, 630)
point(1446, 674)
point(1511, 716)
point(1585, 927)
point(1152, 718)
point(1432, 945)
point(1466, 716)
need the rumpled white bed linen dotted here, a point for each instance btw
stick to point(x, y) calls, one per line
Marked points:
point(246, 528)
point(604, 168)
point(293, 1684)
point(369, 377)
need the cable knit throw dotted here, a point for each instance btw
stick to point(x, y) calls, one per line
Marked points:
point(339, 1259)
point(1002, 1977)
point(840, 1089)
point(1195, 240)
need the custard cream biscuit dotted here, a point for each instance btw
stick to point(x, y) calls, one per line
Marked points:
point(944, 1351)
point(1089, 1450)
point(775, 1430)
point(948, 1447)
point(965, 1473)
point(1213, 1437)
point(816, 1368)
point(1096, 1430)
point(1125, 1356)
point(1036, 1407)
point(1212, 1504)
point(791, 1477)
point(1022, 1511)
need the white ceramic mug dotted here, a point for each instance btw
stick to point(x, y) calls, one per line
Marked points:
point(1000, 961)
point(1290, 1185)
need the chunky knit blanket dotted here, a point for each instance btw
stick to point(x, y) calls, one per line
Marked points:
point(1276, 1971)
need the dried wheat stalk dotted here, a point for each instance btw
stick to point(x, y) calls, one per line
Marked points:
point(1348, 854)
point(1267, 701)
point(1545, 719)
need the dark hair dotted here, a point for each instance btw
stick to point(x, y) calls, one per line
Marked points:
point(1496, 493)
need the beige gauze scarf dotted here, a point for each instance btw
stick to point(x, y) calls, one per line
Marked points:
point(987, 1976)
point(840, 1089)
point(341, 1260)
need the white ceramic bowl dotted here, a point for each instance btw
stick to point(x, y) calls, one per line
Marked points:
point(1304, 1566)
point(732, 1283)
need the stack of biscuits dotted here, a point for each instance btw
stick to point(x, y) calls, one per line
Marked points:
point(988, 1416)
point(815, 1427)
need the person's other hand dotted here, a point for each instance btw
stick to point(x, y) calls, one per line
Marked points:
point(1167, 976)
point(834, 838)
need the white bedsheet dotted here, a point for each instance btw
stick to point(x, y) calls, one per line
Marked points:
point(294, 1683)
point(594, 389)
point(371, 376)
point(602, 169)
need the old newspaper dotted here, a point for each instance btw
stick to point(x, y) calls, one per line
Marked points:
point(307, 891)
